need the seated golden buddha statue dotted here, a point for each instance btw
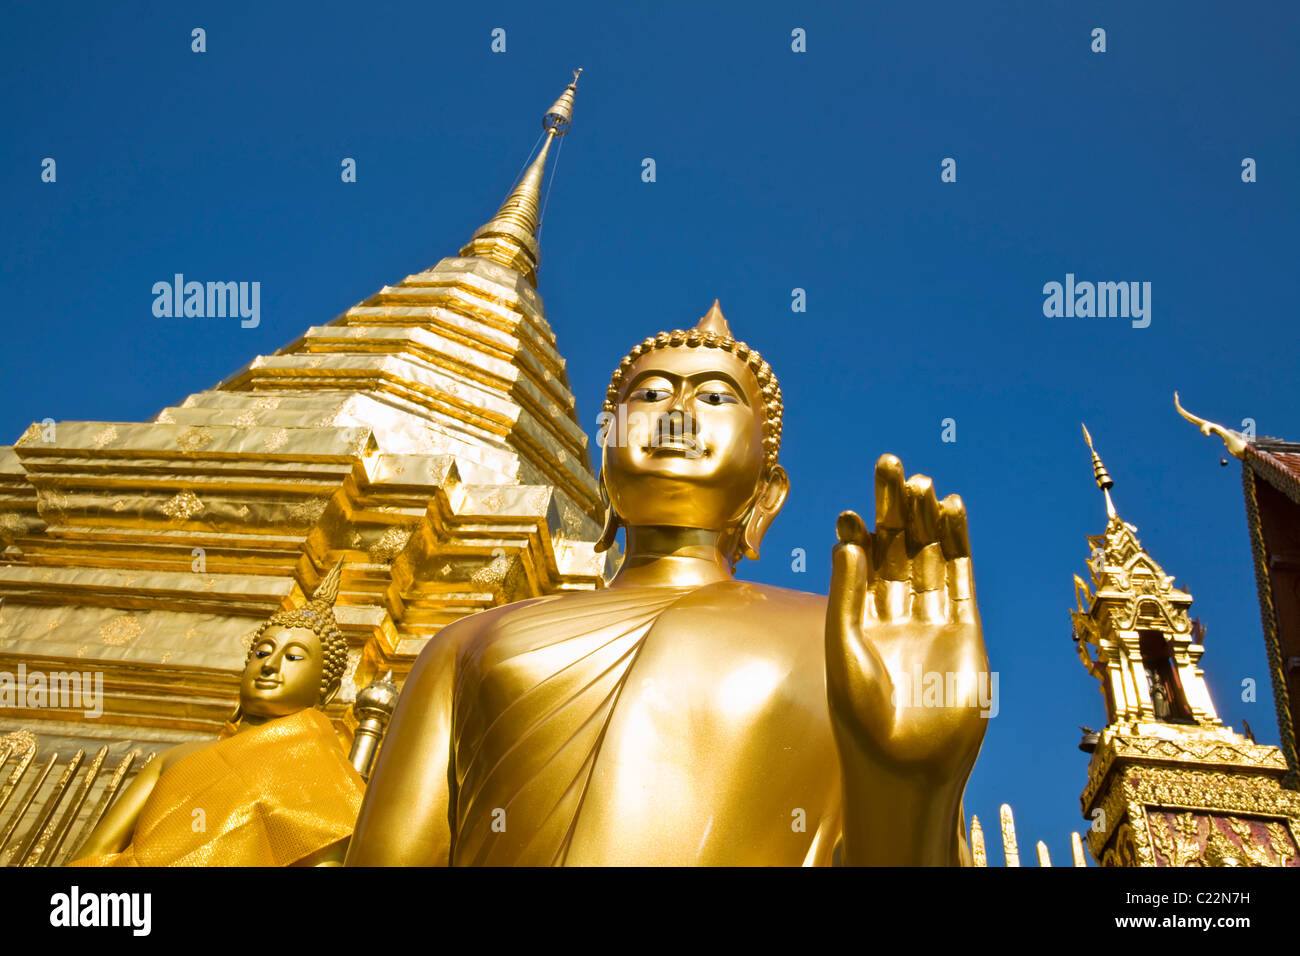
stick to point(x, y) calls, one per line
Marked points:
point(680, 716)
point(275, 790)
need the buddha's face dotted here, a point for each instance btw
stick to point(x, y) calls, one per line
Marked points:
point(283, 674)
point(686, 449)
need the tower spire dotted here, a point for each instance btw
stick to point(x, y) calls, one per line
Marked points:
point(1100, 474)
point(1165, 773)
point(510, 237)
point(1148, 650)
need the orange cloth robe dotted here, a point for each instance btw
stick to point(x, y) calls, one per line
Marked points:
point(269, 797)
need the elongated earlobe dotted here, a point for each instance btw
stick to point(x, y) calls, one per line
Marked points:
point(232, 722)
point(330, 694)
point(776, 488)
point(610, 530)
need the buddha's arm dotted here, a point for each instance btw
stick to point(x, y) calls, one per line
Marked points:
point(114, 832)
point(404, 820)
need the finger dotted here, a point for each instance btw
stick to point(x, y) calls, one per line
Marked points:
point(889, 494)
point(847, 598)
point(853, 669)
point(961, 591)
point(921, 513)
point(854, 672)
point(955, 539)
point(851, 529)
point(891, 586)
point(890, 537)
point(929, 596)
point(952, 528)
point(929, 590)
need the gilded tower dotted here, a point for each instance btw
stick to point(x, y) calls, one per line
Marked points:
point(1168, 783)
point(427, 436)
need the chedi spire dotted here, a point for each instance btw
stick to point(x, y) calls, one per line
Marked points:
point(510, 237)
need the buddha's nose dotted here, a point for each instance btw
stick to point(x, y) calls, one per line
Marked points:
point(675, 424)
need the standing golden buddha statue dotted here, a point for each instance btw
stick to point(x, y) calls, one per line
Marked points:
point(680, 716)
point(275, 790)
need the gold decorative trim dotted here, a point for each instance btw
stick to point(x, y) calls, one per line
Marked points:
point(1272, 646)
point(183, 507)
point(192, 440)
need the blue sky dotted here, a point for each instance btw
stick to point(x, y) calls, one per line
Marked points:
point(775, 170)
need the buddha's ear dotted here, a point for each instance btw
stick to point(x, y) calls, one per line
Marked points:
point(232, 722)
point(771, 496)
point(610, 531)
point(330, 693)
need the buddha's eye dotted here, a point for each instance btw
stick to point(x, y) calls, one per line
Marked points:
point(294, 657)
point(649, 395)
point(718, 398)
point(263, 652)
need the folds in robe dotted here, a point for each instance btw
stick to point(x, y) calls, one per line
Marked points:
point(643, 726)
point(271, 796)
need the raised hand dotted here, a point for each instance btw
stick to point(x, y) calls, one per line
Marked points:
point(906, 671)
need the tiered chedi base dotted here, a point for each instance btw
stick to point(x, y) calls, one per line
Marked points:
point(427, 435)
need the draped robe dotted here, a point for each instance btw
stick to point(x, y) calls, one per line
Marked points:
point(631, 725)
point(269, 796)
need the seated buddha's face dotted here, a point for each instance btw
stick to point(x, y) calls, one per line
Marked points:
point(283, 674)
point(687, 447)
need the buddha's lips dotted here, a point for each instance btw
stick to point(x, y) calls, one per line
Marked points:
point(676, 447)
point(267, 683)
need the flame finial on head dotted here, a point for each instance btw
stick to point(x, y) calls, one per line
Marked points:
point(714, 321)
point(328, 589)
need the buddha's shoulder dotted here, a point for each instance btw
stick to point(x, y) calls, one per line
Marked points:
point(777, 609)
point(733, 600)
point(765, 596)
point(173, 755)
point(474, 629)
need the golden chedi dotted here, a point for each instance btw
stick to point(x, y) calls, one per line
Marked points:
point(275, 790)
point(680, 716)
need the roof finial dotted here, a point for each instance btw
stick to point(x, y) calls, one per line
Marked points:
point(1102, 476)
point(1235, 441)
point(560, 116)
point(510, 237)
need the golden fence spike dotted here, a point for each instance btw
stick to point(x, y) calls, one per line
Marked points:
point(105, 801)
point(16, 777)
point(977, 850)
point(1076, 849)
point(21, 809)
point(41, 830)
point(1044, 858)
point(60, 833)
point(1009, 837)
